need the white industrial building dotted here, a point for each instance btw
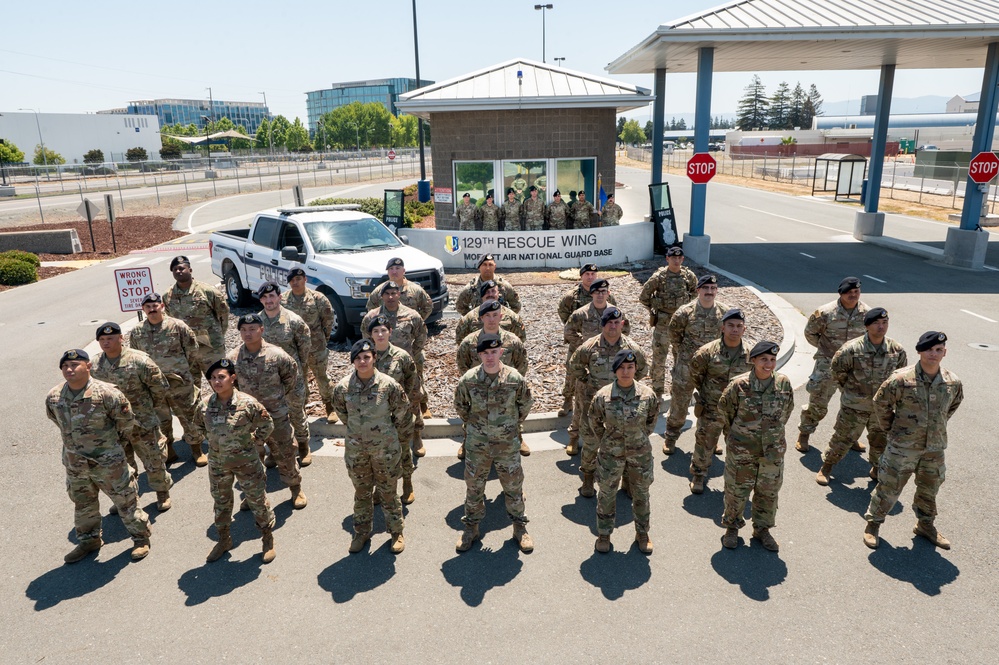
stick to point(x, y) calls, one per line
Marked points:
point(72, 135)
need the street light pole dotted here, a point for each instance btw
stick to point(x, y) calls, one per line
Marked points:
point(419, 84)
point(543, 28)
point(559, 61)
point(270, 125)
point(208, 140)
point(45, 159)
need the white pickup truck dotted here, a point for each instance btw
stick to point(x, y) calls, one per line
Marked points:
point(343, 250)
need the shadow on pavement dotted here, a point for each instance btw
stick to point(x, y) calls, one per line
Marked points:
point(583, 511)
point(219, 578)
point(569, 465)
point(480, 569)
point(709, 505)
point(616, 572)
point(752, 568)
point(678, 464)
point(76, 580)
point(496, 518)
point(358, 573)
point(922, 566)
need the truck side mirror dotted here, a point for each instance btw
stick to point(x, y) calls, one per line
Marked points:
point(404, 239)
point(291, 253)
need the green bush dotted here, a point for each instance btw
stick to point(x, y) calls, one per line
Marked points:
point(14, 272)
point(18, 255)
point(415, 211)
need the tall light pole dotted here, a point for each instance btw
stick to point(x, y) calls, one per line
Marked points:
point(559, 61)
point(357, 130)
point(270, 132)
point(208, 140)
point(419, 84)
point(45, 159)
point(543, 27)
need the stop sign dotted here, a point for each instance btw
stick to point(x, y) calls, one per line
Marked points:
point(391, 154)
point(983, 167)
point(701, 168)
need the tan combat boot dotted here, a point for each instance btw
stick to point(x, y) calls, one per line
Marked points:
point(766, 539)
point(802, 443)
point(267, 552)
point(298, 498)
point(418, 448)
point(859, 446)
point(408, 496)
point(603, 544)
point(331, 416)
point(644, 543)
point(573, 447)
point(398, 543)
point(199, 457)
point(461, 451)
point(586, 489)
point(222, 546)
point(524, 450)
point(930, 533)
point(566, 407)
point(140, 549)
point(669, 443)
point(697, 484)
point(358, 542)
point(822, 477)
point(871, 537)
point(523, 538)
point(304, 454)
point(468, 536)
point(171, 454)
point(427, 414)
point(81, 551)
point(718, 449)
point(163, 503)
point(731, 538)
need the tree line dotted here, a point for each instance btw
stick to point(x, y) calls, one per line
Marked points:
point(629, 131)
point(784, 109)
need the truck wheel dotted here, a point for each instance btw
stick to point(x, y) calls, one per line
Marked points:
point(235, 294)
point(340, 325)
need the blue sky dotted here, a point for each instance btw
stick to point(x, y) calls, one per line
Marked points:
point(82, 57)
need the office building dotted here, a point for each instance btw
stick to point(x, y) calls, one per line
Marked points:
point(188, 111)
point(383, 91)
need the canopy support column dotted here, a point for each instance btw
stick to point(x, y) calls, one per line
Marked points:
point(696, 245)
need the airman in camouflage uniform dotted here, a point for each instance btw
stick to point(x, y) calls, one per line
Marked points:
point(409, 332)
point(173, 347)
point(470, 296)
point(582, 212)
point(270, 376)
point(489, 215)
point(236, 424)
point(670, 288)
point(913, 406)
point(411, 294)
point(378, 417)
point(534, 211)
point(611, 214)
point(467, 214)
point(558, 212)
point(493, 400)
point(136, 375)
point(859, 368)
point(622, 415)
point(315, 310)
point(511, 214)
point(754, 409)
point(828, 328)
point(470, 323)
point(591, 368)
point(287, 330)
point(514, 354)
point(203, 308)
point(95, 421)
point(691, 327)
point(713, 366)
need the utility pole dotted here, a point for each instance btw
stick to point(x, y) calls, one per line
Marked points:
point(419, 84)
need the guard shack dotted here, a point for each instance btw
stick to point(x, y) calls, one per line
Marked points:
point(840, 173)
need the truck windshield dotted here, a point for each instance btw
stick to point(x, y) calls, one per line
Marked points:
point(349, 236)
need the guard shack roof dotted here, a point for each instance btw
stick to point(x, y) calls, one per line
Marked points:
point(541, 86)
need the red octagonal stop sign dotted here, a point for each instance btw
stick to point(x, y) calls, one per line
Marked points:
point(983, 167)
point(701, 168)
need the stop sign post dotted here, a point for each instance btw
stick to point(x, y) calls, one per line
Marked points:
point(391, 154)
point(983, 167)
point(701, 168)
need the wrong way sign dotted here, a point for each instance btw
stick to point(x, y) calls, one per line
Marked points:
point(133, 285)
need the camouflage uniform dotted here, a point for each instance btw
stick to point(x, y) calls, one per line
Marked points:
point(711, 369)
point(511, 216)
point(590, 367)
point(583, 324)
point(95, 424)
point(493, 407)
point(400, 366)
point(557, 214)
point(468, 216)
point(469, 298)
point(663, 294)
point(235, 430)
point(690, 328)
point(582, 211)
point(913, 409)
point(611, 216)
point(572, 300)
point(489, 217)
point(204, 309)
point(288, 331)
point(409, 332)
point(859, 368)
point(136, 375)
point(620, 422)
point(510, 322)
point(412, 295)
point(755, 413)
point(514, 353)
point(828, 328)
point(271, 377)
point(174, 348)
point(378, 417)
point(315, 310)
point(534, 213)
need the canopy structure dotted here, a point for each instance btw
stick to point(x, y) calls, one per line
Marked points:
point(214, 138)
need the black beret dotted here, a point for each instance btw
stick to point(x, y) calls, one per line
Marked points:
point(599, 284)
point(509, 190)
point(557, 193)
point(847, 284)
point(152, 297)
point(765, 346)
point(465, 195)
point(489, 194)
point(488, 341)
point(295, 272)
point(485, 257)
point(486, 285)
point(359, 346)
point(610, 195)
point(391, 286)
point(490, 306)
point(73, 354)
point(267, 287)
point(248, 319)
point(734, 313)
point(706, 279)
point(394, 261)
point(674, 251)
point(224, 363)
point(177, 260)
point(588, 267)
point(875, 314)
point(532, 188)
point(109, 328)
point(610, 314)
point(380, 320)
point(623, 356)
point(928, 340)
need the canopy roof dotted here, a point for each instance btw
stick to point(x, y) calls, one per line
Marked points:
point(200, 140)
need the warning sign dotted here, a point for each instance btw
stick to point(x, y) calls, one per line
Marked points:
point(133, 284)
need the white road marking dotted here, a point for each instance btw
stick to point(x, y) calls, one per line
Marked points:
point(204, 259)
point(158, 259)
point(881, 281)
point(763, 239)
point(984, 318)
point(792, 219)
point(991, 268)
point(125, 262)
point(808, 255)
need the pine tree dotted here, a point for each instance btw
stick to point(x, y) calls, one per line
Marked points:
point(796, 110)
point(816, 99)
point(780, 103)
point(752, 110)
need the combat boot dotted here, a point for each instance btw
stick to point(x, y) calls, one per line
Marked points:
point(221, 547)
point(113, 510)
point(566, 407)
point(408, 495)
point(163, 503)
point(603, 544)
point(930, 533)
point(644, 543)
point(468, 536)
point(267, 552)
point(731, 538)
point(873, 474)
point(766, 539)
point(304, 454)
point(718, 449)
point(524, 449)
point(171, 454)
point(461, 451)
point(244, 504)
point(871, 537)
point(358, 542)
point(426, 412)
point(669, 443)
point(573, 447)
point(269, 461)
point(81, 551)
point(331, 416)
point(586, 489)
point(801, 445)
point(298, 498)
point(398, 543)
point(140, 549)
point(697, 484)
point(197, 456)
point(859, 446)
point(523, 538)
point(419, 449)
point(822, 477)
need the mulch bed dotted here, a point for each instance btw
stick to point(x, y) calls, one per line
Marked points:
point(131, 234)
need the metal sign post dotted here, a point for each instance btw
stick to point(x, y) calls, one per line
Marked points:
point(109, 206)
point(88, 209)
point(299, 198)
